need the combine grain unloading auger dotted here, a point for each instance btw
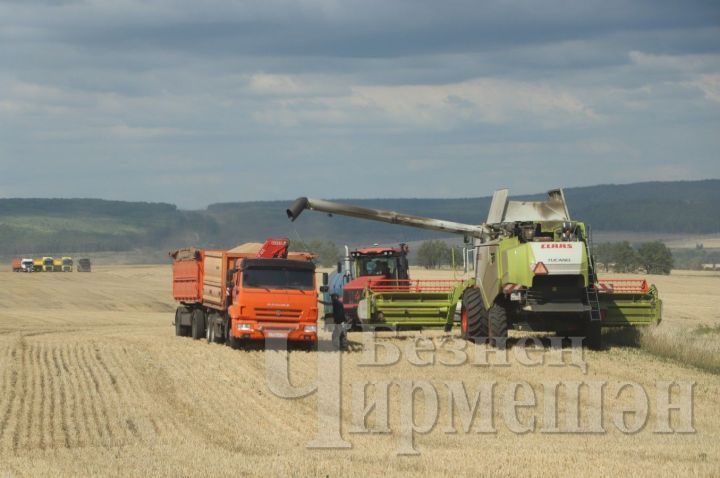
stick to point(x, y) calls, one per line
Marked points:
point(533, 271)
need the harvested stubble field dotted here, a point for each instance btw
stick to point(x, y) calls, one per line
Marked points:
point(94, 382)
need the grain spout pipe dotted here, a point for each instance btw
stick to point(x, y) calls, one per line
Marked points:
point(382, 215)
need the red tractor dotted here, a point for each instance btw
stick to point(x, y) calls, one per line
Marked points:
point(362, 268)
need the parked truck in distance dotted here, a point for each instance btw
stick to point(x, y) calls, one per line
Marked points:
point(22, 265)
point(57, 265)
point(27, 265)
point(83, 265)
point(47, 264)
point(37, 264)
point(246, 293)
point(67, 264)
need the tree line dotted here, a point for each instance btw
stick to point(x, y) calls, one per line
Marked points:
point(653, 257)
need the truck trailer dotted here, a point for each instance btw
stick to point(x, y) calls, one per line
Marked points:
point(244, 294)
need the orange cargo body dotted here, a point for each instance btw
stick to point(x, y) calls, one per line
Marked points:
point(187, 275)
point(16, 264)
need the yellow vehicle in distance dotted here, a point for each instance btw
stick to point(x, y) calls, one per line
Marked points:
point(57, 265)
point(67, 264)
point(47, 264)
point(37, 264)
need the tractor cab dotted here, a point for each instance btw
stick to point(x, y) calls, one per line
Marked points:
point(382, 262)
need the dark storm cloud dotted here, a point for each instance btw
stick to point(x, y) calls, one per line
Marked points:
point(269, 99)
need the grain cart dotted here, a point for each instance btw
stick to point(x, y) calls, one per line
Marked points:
point(533, 267)
point(246, 293)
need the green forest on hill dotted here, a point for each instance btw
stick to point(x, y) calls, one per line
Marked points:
point(28, 226)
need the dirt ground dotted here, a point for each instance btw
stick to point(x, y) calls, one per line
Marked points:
point(94, 382)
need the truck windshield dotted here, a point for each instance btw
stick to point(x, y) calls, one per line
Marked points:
point(48, 262)
point(279, 278)
point(67, 262)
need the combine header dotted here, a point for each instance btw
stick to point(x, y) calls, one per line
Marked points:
point(533, 271)
point(628, 302)
point(412, 303)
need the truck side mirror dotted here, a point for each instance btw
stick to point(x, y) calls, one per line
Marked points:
point(325, 278)
point(339, 267)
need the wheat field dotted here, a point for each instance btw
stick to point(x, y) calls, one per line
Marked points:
point(94, 382)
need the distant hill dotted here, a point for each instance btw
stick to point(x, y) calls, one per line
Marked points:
point(30, 226)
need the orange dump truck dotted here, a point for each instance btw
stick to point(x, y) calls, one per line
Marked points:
point(251, 292)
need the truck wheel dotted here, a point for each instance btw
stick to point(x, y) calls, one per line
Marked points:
point(593, 335)
point(198, 324)
point(473, 318)
point(210, 333)
point(497, 323)
point(178, 326)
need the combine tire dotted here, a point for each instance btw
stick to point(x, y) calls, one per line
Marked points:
point(473, 318)
point(498, 324)
point(593, 335)
point(198, 324)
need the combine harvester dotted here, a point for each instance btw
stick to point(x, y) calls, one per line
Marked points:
point(533, 271)
point(251, 292)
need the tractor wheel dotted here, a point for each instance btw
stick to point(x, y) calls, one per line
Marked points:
point(593, 335)
point(473, 318)
point(198, 324)
point(498, 324)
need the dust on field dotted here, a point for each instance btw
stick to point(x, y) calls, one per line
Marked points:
point(95, 382)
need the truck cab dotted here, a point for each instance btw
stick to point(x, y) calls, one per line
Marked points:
point(47, 264)
point(67, 264)
point(274, 298)
point(27, 265)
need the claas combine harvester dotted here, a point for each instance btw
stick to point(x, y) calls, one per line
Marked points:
point(533, 270)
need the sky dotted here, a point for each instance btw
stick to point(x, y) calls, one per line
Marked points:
point(196, 102)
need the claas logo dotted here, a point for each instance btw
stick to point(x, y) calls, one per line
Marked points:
point(557, 245)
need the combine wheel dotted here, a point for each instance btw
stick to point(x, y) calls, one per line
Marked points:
point(198, 324)
point(593, 335)
point(497, 323)
point(473, 318)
